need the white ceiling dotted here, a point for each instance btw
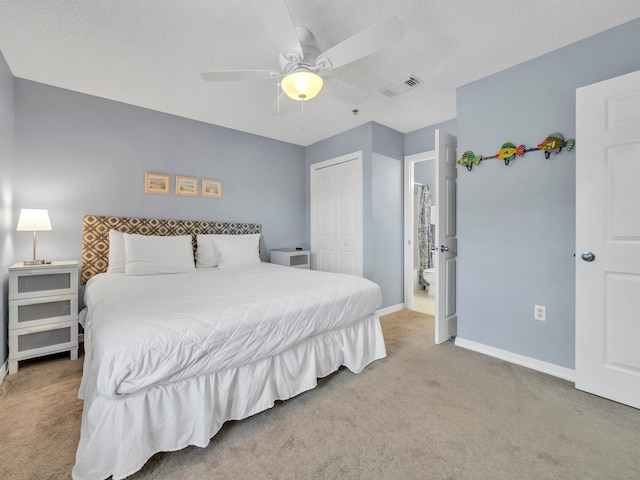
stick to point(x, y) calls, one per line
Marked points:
point(150, 53)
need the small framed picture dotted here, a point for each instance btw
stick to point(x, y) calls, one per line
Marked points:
point(187, 186)
point(211, 188)
point(157, 183)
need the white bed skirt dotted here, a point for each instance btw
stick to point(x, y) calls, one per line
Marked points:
point(118, 436)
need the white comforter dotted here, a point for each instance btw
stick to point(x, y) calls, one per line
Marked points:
point(148, 330)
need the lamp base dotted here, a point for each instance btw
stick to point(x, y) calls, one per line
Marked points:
point(34, 262)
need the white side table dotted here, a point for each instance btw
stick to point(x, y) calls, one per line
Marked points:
point(43, 310)
point(291, 257)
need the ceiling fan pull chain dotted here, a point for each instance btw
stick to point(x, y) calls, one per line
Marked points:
point(302, 115)
point(278, 97)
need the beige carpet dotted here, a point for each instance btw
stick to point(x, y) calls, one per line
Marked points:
point(424, 412)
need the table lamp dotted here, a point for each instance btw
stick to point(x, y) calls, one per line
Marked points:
point(33, 220)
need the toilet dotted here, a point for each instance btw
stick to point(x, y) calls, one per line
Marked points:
point(429, 276)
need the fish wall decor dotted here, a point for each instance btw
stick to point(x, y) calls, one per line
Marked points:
point(554, 143)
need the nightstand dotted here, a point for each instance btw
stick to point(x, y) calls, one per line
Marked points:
point(291, 257)
point(43, 310)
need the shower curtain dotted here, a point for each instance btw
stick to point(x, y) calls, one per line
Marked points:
point(425, 235)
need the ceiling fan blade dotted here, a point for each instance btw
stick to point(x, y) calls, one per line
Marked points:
point(365, 43)
point(235, 75)
point(277, 20)
point(345, 91)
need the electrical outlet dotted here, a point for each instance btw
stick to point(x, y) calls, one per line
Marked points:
point(540, 313)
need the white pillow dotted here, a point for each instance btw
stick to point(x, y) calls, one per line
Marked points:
point(116, 252)
point(237, 250)
point(152, 255)
point(206, 253)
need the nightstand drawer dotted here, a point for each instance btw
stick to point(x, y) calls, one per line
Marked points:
point(36, 282)
point(32, 312)
point(42, 340)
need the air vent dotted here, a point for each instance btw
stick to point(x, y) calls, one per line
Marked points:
point(403, 86)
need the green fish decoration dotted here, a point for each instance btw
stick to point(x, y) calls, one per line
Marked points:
point(469, 160)
point(509, 151)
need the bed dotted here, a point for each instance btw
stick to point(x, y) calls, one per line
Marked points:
point(170, 357)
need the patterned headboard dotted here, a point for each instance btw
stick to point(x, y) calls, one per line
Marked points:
point(95, 235)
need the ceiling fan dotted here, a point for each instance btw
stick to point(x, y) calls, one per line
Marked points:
point(302, 63)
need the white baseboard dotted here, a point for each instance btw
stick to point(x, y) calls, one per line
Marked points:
point(532, 363)
point(388, 310)
point(3, 372)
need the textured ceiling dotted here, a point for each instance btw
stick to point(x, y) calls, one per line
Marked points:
point(150, 53)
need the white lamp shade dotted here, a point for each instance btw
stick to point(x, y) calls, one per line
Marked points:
point(33, 220)
point(302, 85)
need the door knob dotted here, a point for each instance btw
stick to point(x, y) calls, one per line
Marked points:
point(588, 256)
point(444, 248)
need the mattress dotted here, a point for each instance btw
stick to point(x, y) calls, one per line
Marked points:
point(145, 330)
point(170, 358)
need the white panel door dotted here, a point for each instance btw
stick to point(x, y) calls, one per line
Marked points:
point(336, 215)
point(608, 239)
point(446, 320)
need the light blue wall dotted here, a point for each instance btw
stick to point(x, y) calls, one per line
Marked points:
point(424, 139)
point(382, 154)
point(7, 115)
point(387, 213)
point(425, 172)
point(78, 154)
point(516, 224)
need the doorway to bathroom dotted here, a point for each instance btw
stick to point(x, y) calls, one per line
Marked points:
point(420, 232)
point(445, 238)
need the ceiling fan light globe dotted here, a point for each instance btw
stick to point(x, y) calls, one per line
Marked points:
point(302, 85)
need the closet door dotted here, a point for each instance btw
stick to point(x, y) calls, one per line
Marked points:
point(336, 215)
